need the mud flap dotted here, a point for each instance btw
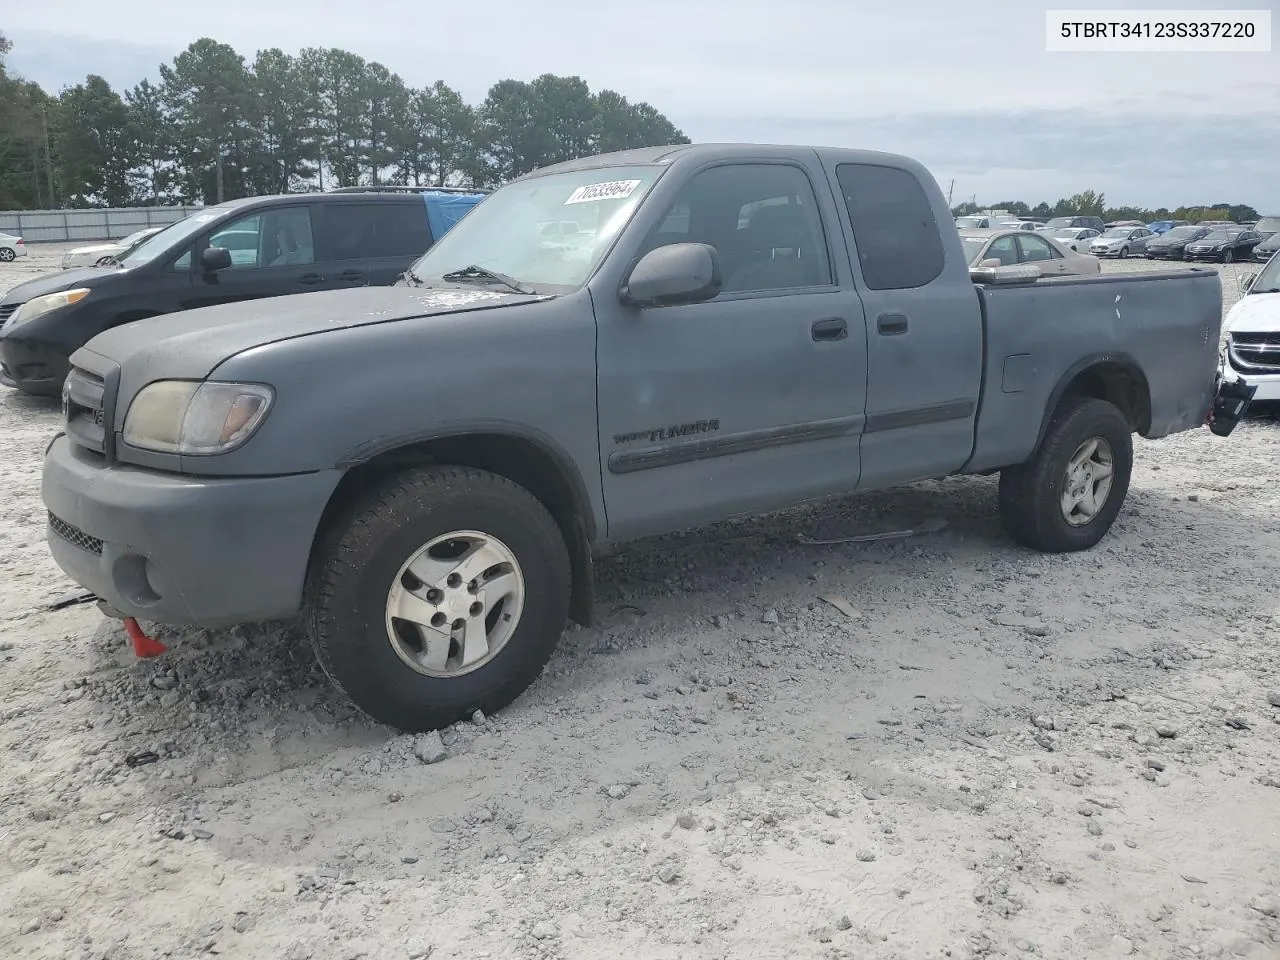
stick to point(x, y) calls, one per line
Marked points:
point(1230, 403)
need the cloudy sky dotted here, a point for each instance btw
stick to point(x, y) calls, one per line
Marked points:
point(965, 86)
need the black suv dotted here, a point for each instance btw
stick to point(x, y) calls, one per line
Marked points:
point(239, 250)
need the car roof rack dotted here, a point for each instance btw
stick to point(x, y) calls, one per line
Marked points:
point(408, 189)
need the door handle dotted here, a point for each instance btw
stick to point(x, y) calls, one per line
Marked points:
point(891, 324)
point(311, 278)
point(351, 275)
point(832, 328)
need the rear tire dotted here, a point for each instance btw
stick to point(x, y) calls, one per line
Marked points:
point(360, 590)
point(7, 255)
point(1034, 495)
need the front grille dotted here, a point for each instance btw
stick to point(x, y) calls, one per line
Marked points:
point(7, 310)
point(82, 408)
point(1255, 351)
point(74, 535)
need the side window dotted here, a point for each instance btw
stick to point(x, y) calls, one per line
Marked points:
point(1002, 249)
point(243, 238)
point(1034, 248)
point(763, 220)
point(899, 246)
point(364, 231)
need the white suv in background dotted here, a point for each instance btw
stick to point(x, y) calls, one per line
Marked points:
point(1252, 352)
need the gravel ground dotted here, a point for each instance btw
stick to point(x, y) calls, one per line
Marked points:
point(945, 746)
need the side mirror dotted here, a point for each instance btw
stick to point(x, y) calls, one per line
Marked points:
point(990, 262)
point(214, 259)
point(674, 274)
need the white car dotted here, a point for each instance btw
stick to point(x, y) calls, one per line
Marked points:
point(11, 248)
point(1252, 351)
point(98, 253)
point(1076, 238)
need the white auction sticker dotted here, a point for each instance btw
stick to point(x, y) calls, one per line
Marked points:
point(613, 190)
point(1158, 31)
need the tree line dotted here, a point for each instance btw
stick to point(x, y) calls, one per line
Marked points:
point(217, 127)
point(1091, 204)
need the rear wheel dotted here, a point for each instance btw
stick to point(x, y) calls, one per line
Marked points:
point(1068, 495)
point(442, 591)
point(7, 255)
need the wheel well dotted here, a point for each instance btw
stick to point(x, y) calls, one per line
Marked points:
point(519, 460)
point(1119, 383)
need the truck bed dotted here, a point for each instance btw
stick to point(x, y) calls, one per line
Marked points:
point(1136, 321)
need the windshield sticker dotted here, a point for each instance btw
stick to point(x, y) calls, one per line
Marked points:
point(613, 190)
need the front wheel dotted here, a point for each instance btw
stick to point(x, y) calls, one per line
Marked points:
point(1068, 495)
point(1124, 253)
point(442, 591)
point(1229, 257)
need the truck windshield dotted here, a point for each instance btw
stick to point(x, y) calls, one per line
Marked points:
point(547, 233)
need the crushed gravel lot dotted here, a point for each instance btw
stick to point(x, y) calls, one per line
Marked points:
point(938, 747)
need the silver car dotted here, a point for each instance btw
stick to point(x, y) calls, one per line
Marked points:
point(1121, 241)
point(99, 254)
point(1005, 248)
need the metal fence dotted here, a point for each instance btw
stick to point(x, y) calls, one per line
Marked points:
point(108, 223)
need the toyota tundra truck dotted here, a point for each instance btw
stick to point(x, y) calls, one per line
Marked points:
point(425, 474)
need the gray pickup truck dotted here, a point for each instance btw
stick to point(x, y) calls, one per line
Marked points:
point(603, 350)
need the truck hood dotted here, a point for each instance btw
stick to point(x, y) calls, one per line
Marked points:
point(1255, 313)
point(191, 343)
point(57, 282)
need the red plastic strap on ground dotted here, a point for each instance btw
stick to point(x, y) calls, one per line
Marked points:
point(143, 646)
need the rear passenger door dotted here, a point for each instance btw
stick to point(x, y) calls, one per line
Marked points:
point(924, 326)
point(364, 242)
point(1034, 250)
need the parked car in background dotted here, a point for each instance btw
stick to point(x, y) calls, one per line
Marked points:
point(1172, 244)
point(1074, 222)
point(1267, 226)
point(1252, 351)
point(11, 248)
point(1120, 242)
point(1016, 225)
point(1076, 239)
point(1216, 224)
point(1164, 226)
point(240, 250)
point(1267, 248)
point(1122, 223)
point(1008, 248)
point(1225, 245)
point(101, 254)
point(976, 223)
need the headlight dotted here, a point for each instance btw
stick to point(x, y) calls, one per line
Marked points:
point(39, 306)
point(193, 418)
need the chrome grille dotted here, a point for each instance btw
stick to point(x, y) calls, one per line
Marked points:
point(7, 310)
point(82, 408)
point(74, 535)
point(1255, 351)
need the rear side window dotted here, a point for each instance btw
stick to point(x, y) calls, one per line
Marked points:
point(365, 231)
point(898, 242)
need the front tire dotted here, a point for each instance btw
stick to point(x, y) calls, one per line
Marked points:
point(442, 591)
point(1068, 495)
point(1124, 253)
point(1229, 256)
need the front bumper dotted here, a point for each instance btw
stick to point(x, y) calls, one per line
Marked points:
point(182, 550)
point(1204, 254)
point(32, 367)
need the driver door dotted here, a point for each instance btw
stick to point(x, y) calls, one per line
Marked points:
point(272, 254)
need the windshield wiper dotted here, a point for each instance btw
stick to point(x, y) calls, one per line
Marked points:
point(474, 272)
